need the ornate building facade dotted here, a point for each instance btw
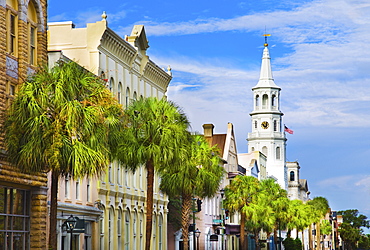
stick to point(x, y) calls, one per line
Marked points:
point(119, 194)
point(23, 200)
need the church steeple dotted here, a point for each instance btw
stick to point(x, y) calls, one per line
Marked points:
point(267, 134)
point(266, 78)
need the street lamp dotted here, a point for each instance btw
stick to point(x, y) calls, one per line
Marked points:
point(197, 234)
point(69, 225)
point(222, 192)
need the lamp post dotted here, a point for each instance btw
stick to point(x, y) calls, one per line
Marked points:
point(69, 225)
point(197, 234)
point(222, 192)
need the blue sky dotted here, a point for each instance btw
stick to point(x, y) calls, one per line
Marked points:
point(320, 58)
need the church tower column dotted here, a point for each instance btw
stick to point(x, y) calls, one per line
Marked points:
point(267, 134)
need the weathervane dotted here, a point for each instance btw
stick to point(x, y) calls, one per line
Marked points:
point(266, 35)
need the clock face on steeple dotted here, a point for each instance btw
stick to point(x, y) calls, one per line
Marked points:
point(265, 125)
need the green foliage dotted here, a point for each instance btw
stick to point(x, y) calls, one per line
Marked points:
point(292, 244)
point(325, 227)
point(351, 229)
point(62, 120)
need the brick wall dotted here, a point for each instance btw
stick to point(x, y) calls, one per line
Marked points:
point(9, 176)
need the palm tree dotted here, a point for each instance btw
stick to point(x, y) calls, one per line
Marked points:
point(199, 175)
point(320, 207)
point(277, 200)
point(155, 136)
point(239, 195)
point(61, 121)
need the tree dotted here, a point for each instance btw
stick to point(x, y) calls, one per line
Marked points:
point(320, 208)
point(199, 176)
point(154, 136)
point(277, 199)
point(239, 195)
point(351, 228)
point(62, 120)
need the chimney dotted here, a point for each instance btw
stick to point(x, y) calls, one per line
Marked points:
point(208, 130)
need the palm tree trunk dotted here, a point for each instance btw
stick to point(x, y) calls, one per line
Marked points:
point(318, 235)
point(303, 239)
point(243, 245)
point(149, 203)
point(53, 245)
point(185, 214)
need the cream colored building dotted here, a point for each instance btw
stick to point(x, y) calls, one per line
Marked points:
point(119, 195)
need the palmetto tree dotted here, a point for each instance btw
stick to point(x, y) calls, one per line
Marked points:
point(239, 195)
point(200, 175)
point(61, 120)
point(320, 207)
point(155, 136)
point(277, 200)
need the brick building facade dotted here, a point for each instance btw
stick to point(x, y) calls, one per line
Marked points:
point(23, 198)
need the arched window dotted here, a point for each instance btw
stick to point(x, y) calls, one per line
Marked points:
point(135, 96)
point(273, 101)
point(278, 153)
point(257, 100)
point(252, 149)
point(292, 176)
point(119, 93)
point(275, 125)
point(110, 228)
point(160, 232)
point(119, 228)
point(264, 101)
point(127, 97)
point(110, 174)
point(134, 231)
point(127, 230)
point(111, 84)
point(32, 33)
point(264, 150)
point(141, 228)
point(12, 27)
point(119, 174)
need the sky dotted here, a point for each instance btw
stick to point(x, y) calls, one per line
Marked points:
point(320, 56)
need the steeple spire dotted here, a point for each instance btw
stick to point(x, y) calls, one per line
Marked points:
point(266, 78)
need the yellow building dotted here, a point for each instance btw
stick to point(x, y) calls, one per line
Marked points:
point(23, 203)
point(119, 194)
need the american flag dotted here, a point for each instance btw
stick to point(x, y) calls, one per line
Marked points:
point(288, 130)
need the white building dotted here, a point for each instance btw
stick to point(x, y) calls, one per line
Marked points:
point(118, 197)
point(267, 134)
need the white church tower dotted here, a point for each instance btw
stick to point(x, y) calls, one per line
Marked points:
point(268, 134)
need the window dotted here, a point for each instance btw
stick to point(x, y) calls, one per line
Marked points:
point(32, 33)
point(77, 189)
point(110, 174)
point(101, 230)
point(32, 44)
point(10, 89)
point(275, 125)
point(14, 218)
point(252, 149)
point(127, 97)
point(12, 27)
point(264, 150)
point(292, 177)
point(119, 174)
point(88, 196)
point(119, 228)
point(119, 93)
point(257, 100)
point(264, 101)
point(255, 124)
point(66, 187)
point(273, 101)
point(127, 230)
point(134, 230)
point(277, 153)
point(160, 232)
point(135, 96)
point(110, 228)
point(12, 34)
